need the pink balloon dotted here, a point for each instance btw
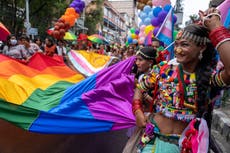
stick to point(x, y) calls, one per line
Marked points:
point(223, 8)
point(141, 34)
point(160, 2)
point(141, 40)
point(142, 28)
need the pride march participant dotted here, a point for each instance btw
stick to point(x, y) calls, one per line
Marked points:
point(183, 92)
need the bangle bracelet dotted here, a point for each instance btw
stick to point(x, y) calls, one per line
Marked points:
point(137, 104)
point(219, 36)
point(221, 42)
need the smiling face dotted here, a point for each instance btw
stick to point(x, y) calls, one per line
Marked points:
point(187, 51)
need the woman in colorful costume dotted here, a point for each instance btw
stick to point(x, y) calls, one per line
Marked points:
point(145, 59)
point(182, 92)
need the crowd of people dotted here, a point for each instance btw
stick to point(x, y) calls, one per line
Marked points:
point(22, 47)
point(173, 99)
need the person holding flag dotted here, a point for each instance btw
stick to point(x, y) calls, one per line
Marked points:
point(183, 92)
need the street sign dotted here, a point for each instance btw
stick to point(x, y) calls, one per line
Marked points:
point(33, 31)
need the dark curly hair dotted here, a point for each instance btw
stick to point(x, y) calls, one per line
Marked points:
point(203, 72)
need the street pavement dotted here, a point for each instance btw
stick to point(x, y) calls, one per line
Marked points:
point(221, 126)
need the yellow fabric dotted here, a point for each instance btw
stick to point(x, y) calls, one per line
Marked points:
point(19, 87)
point(96, 60)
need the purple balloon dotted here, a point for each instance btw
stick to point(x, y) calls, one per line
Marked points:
point(155, 22)
point(161, 16)
point(72, 5)
point(155, 31)
point(75, 4)
point(174, 19)
point(137, 32)
point(83, 4)
point(77, 10)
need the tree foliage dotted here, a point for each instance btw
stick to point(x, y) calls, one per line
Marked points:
point(42, 14)
point(94, 16)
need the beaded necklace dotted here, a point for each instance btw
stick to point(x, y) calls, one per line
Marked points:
point(183, 91)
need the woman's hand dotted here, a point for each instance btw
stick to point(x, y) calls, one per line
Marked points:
point(211, 18)
point(141, 119)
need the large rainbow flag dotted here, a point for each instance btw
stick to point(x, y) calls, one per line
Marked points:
point(46, 96)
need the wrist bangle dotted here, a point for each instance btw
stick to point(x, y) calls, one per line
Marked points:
point(137, 104)
point(219, 36)
point(221, 42)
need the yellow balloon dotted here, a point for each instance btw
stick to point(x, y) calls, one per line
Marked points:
point(148, 29)
point(133, 35)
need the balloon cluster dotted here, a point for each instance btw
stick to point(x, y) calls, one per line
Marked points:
point(152, 19)
point(67, 20)
point(132, 37)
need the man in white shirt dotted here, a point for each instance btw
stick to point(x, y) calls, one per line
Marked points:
point(61, 49)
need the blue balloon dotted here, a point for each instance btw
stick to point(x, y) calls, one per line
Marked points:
point(156, 11)
point(147, 9)
point(129, 39)
point(147, 21)
point(143, 15)
point(167, 7)
point(134, 41)
point(150, 15)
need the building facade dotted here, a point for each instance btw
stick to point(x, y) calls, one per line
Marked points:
point(113, 24)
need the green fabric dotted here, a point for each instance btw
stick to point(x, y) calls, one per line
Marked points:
point(24, 115)
point(43, 99)
point(161, 147)
point(17, 114)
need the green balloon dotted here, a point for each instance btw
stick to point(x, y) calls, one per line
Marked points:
point(132, 30)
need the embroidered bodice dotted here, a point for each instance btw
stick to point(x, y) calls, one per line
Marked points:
point(169, 96)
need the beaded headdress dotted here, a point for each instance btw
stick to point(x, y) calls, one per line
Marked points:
point(147, 53)
point(192, 37)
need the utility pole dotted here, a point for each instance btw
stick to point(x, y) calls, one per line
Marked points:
point(27, 22)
